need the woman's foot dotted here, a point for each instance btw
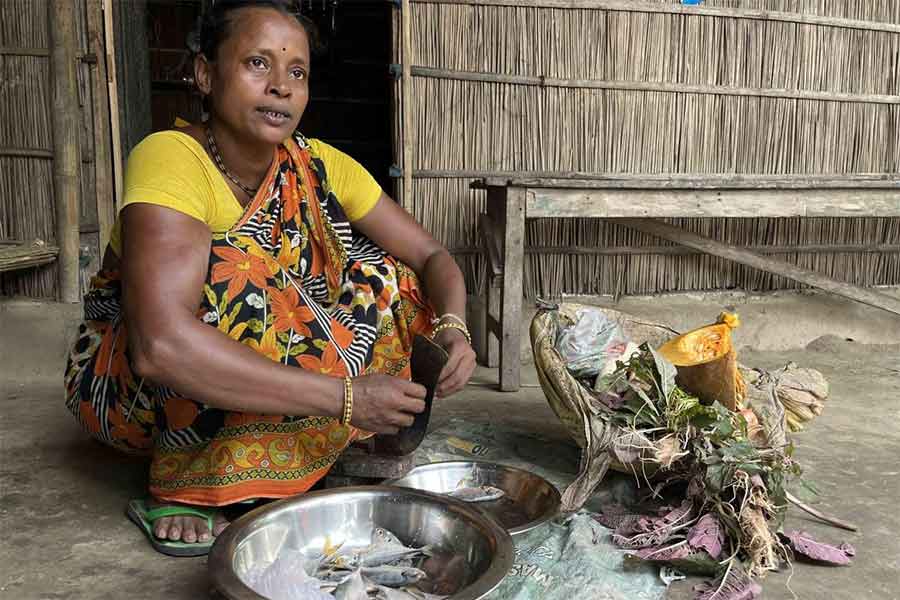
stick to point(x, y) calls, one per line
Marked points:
point(187, 528)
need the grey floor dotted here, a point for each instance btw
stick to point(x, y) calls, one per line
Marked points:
point(62, 496)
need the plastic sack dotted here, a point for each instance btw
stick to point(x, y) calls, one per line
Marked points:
point(287, 578)
point(574, 559)
point(590, 343)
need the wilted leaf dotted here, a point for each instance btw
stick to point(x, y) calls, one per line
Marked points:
point(611, 515)
point(629, 447)
point(663, 553)
point(715, 477)
point(666, 372)
point(696, 563)
point(803, 544)
point(610, 400)
point(733, 585)
point(707, 535)
point(639, 390)
point(652, 531)
point(632, 524)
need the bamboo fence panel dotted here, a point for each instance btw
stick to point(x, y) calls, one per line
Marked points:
point(464, 124)
point(27, 210)
point(28, 201)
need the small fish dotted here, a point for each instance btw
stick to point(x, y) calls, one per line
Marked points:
point(482, 493)
point(328, 553)
point(341, 561)
point(382, 551)
point(333, 576)
point(382, 535)
point(393, 576)
point(385, 554)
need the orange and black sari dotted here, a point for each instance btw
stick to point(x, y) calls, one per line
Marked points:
point(296, 283)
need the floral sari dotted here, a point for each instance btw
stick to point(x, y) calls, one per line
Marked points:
point(296, 283)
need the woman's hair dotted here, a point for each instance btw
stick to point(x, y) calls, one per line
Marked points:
point(215, 25)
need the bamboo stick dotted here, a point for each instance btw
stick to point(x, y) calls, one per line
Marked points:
point(113, 93)
point(484, 179)
point(8, 51)
point(67, 160)
point(675, 9)
point(26, 152)
point(650, 86)
point(104, 161)
point(733, 253)
point(684, 251)
point(406, 24)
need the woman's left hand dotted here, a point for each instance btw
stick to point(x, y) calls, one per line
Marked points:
point(459, 367)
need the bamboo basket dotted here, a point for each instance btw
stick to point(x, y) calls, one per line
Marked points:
point(565, 394)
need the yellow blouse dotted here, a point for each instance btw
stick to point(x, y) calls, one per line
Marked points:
point(169, 168)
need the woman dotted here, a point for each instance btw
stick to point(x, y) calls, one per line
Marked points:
point(243, 252)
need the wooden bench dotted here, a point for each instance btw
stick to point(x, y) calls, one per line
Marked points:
point(636, 201)
point(16, 255)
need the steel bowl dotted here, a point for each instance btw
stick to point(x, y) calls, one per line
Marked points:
point(471, 552)
point(529, 502)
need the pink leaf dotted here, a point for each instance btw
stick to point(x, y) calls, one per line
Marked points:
point(734, 585)
point(663, 553)
point(802, 543)
point(652, 531)
point(615, 515)
point(708, 535)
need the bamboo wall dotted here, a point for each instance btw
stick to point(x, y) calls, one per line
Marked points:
point(804, 91)
point(27, 207)
point(26, 180)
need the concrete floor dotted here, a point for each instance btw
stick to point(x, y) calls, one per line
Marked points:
point(62, 496)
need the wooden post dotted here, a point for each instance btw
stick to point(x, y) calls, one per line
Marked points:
point(66, 151)
point(496, 209)
point(104, 165)
point(112, 86)
point(513, 270)
point(745, 257)
point(406, 106)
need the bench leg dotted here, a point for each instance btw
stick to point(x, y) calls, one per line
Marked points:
point(493, 310)
point(511, 309)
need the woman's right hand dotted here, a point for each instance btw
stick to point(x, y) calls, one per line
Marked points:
point(384, 404)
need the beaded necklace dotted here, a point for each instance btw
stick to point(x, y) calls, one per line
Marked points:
point(251, 192)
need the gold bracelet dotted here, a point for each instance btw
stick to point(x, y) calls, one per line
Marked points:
point(348, 401)
point(452, 325)
point(453, 316)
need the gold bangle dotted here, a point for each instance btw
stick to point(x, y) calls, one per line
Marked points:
point(453, 316)
point(348, 401)
point(452, 325)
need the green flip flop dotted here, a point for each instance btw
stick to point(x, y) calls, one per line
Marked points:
point(145, 517)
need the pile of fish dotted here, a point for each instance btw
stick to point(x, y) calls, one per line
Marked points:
point(384, 570)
